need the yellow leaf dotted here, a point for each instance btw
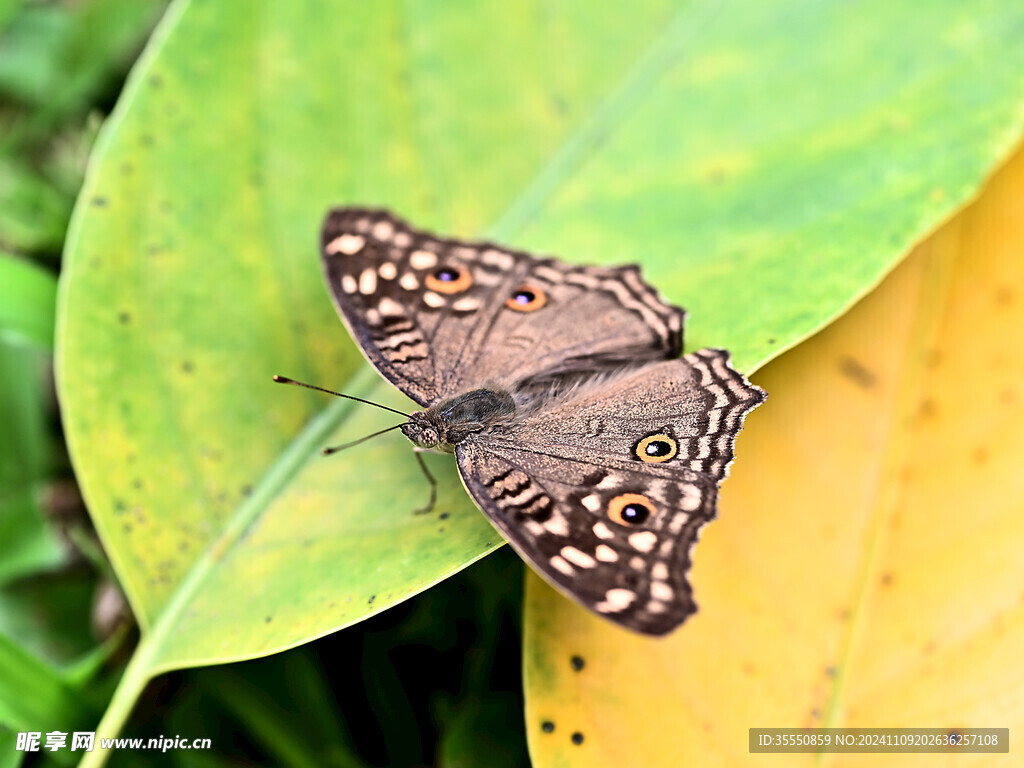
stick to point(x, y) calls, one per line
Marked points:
point(867, 569)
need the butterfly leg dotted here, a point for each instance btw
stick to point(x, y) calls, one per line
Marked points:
point(433, 485)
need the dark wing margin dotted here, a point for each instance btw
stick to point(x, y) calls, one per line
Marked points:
point(732, 397)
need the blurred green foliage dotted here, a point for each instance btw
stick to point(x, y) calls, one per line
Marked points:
point(61, 65)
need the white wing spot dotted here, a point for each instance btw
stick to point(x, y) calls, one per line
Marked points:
point(609, 482)
point(372, 316)
point(387, 271)
point(422, 259)
point(560, 565)
point(606, 554)
point(390, 307)
point(367, 282)
point(616, 600)
point(659, 571)
point(593, 503)
point(348, 284)
point(497, 259)
point(402, 239)
point(467, 304)
point(347, 244)
point(534, 528)
point(661, 591)
point(602, 531)
point(655, 606)
point(557, 525)
point(409, 281)
point(690, 499)
point(577, 557)
point(432, 299)
point(643, 540)
point(383, 230)
point(637, 563)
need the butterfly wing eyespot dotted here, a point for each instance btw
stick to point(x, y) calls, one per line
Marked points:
point(449, 279)
point(526, 298)
point(656, 448)
point(631, 509)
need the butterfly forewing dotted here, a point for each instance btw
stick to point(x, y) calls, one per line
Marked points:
point(439, 316)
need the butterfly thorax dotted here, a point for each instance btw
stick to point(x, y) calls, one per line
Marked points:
point(444, 425)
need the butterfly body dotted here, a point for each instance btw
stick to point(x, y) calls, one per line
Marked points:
point(576, 426)
point(446, 424)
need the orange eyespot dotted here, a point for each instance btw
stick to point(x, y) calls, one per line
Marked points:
point(451, 279)
point(631, 509)
point(656, 448)
point(526, 298)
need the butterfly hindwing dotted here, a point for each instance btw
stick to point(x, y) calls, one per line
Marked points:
point(560, 482)
point(557, 519)
point(437, 316)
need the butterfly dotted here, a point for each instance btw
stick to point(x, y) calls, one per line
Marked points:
point(585, 438)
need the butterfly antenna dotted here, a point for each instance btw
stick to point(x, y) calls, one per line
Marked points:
point(285, 380)
point(342, 447)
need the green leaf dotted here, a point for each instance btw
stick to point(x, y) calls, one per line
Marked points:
point(9, 756)
point(767, 162)
point(49, 616)
point(33, 213)
point(35, 697)
point(28, 301)
point(58, 57)
point(26, 461)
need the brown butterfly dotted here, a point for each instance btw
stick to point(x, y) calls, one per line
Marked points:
point(578, 429)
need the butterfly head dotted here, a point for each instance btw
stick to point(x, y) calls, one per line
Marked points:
point(422, 431)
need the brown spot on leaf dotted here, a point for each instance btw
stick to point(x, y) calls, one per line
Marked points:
point(857, 372)
point(980, 455)
point(927, 409)
point(886, 579)
point(1003, 296)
